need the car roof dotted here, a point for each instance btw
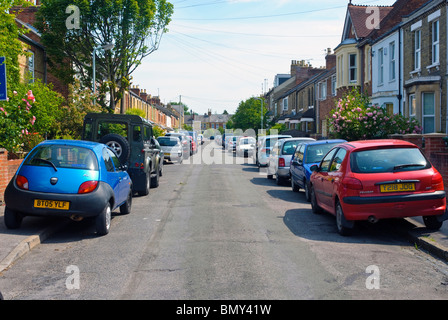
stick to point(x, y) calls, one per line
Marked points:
point(324, 141)
point(379, 143)
point(76, 143)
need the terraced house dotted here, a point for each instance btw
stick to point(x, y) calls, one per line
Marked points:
point(396, 54)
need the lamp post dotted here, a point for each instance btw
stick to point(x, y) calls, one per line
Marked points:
point(107, 46)
point(261, 112)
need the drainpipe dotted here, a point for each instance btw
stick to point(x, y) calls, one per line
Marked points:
point(399, 96)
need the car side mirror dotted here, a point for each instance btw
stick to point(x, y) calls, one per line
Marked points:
point(314, 167)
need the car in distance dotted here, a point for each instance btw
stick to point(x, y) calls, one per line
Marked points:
point(264, 148)
point(67, 178)
point(245, 146)
point(306, 155)
point(172, 148)
point(132, 138)
point(280, 158)
point(377, 179)
point(186, 144)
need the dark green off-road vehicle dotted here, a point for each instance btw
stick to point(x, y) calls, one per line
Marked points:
point(132, 139)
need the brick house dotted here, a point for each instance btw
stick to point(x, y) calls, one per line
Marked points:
point(425, 66)
point(35, 66)
point(353, 53)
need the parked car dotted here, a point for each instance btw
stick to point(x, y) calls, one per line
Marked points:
point(245, 146)
point(201, 138)
point(132, 139)
point(67, 178)
point(378, 179)
point(280, 158)
point(225, 139)
point(193, 146)
point(231, 144)
point(186, 144)
point(306, 155)
point(172, 148)
point(264, 148)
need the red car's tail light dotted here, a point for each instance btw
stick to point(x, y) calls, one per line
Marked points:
point(352, 183)
point(87, 187)
point(437, 181)
point(281, 162)
point(22, 182)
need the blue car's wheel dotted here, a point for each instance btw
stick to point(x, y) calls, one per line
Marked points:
point(103, 221)
point(125, 208)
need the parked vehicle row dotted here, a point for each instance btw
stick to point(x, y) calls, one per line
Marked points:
point(362, 180)
point(117, 158)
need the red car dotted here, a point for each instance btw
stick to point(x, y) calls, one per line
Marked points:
point(377, 179)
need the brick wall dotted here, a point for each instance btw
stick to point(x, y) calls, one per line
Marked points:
point(434, 148)
point(7, 170)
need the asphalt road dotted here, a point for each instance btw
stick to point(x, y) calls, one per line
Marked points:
point(219, 229)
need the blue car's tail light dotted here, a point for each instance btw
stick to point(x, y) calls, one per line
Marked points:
point(87, 187)
point(22, 182)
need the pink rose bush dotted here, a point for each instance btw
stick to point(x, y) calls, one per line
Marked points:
point(354, 118)
point(16, 120)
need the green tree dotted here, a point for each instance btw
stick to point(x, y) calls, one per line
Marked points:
point(10, 45)
point(135, 111)
point(135, 27)
point(248, 116)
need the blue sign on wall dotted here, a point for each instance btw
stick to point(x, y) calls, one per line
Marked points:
point(3, 93)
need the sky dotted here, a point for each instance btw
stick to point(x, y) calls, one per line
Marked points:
point(218, 53)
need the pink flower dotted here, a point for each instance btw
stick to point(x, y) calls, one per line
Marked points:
point(31, 96)
point(33, 120)
point(15, 92)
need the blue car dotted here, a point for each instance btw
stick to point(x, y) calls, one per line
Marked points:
point(306, 155)
point(68, 178)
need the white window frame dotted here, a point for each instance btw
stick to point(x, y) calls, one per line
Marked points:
point(412, 106)
point(353, 68)
point(322, 86)
point(435, 37)
point(285, 104)
point(426, 116)
point(333, 85)
point(30, 62)
point(380, 66)
point(417, 49)
point(392, 61)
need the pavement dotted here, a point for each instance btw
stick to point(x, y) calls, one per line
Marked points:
point(34, 230)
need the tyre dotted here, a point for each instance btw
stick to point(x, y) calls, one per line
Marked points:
point(147, 186)
point(314, 206)
point(103, 220)
point(155, 179)
point(340, 222)
point(270, 176)
point(294, 186)
point(279, 180)
point(119, 144)
point(13, 219)
point(432, 223)
point(307, 191)
point(125, 208)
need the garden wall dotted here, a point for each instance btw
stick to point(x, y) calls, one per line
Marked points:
point(7, 170)
point(433, 145)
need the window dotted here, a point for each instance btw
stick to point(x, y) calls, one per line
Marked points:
point(389, 108)
point(380, 66)
point(428, 112)
point(30, 66)
point(412, 106)
point(392, 61)
point(353, 68)
point(337, 160)
point(333, 85)
point(285, 104)
point(322, 90)
point(417, 49)
point(325, 164)
point(435, 42)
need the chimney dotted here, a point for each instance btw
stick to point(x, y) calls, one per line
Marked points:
point(330, 59)
point(209, 112)
point(144, 95)
point(136, 90)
